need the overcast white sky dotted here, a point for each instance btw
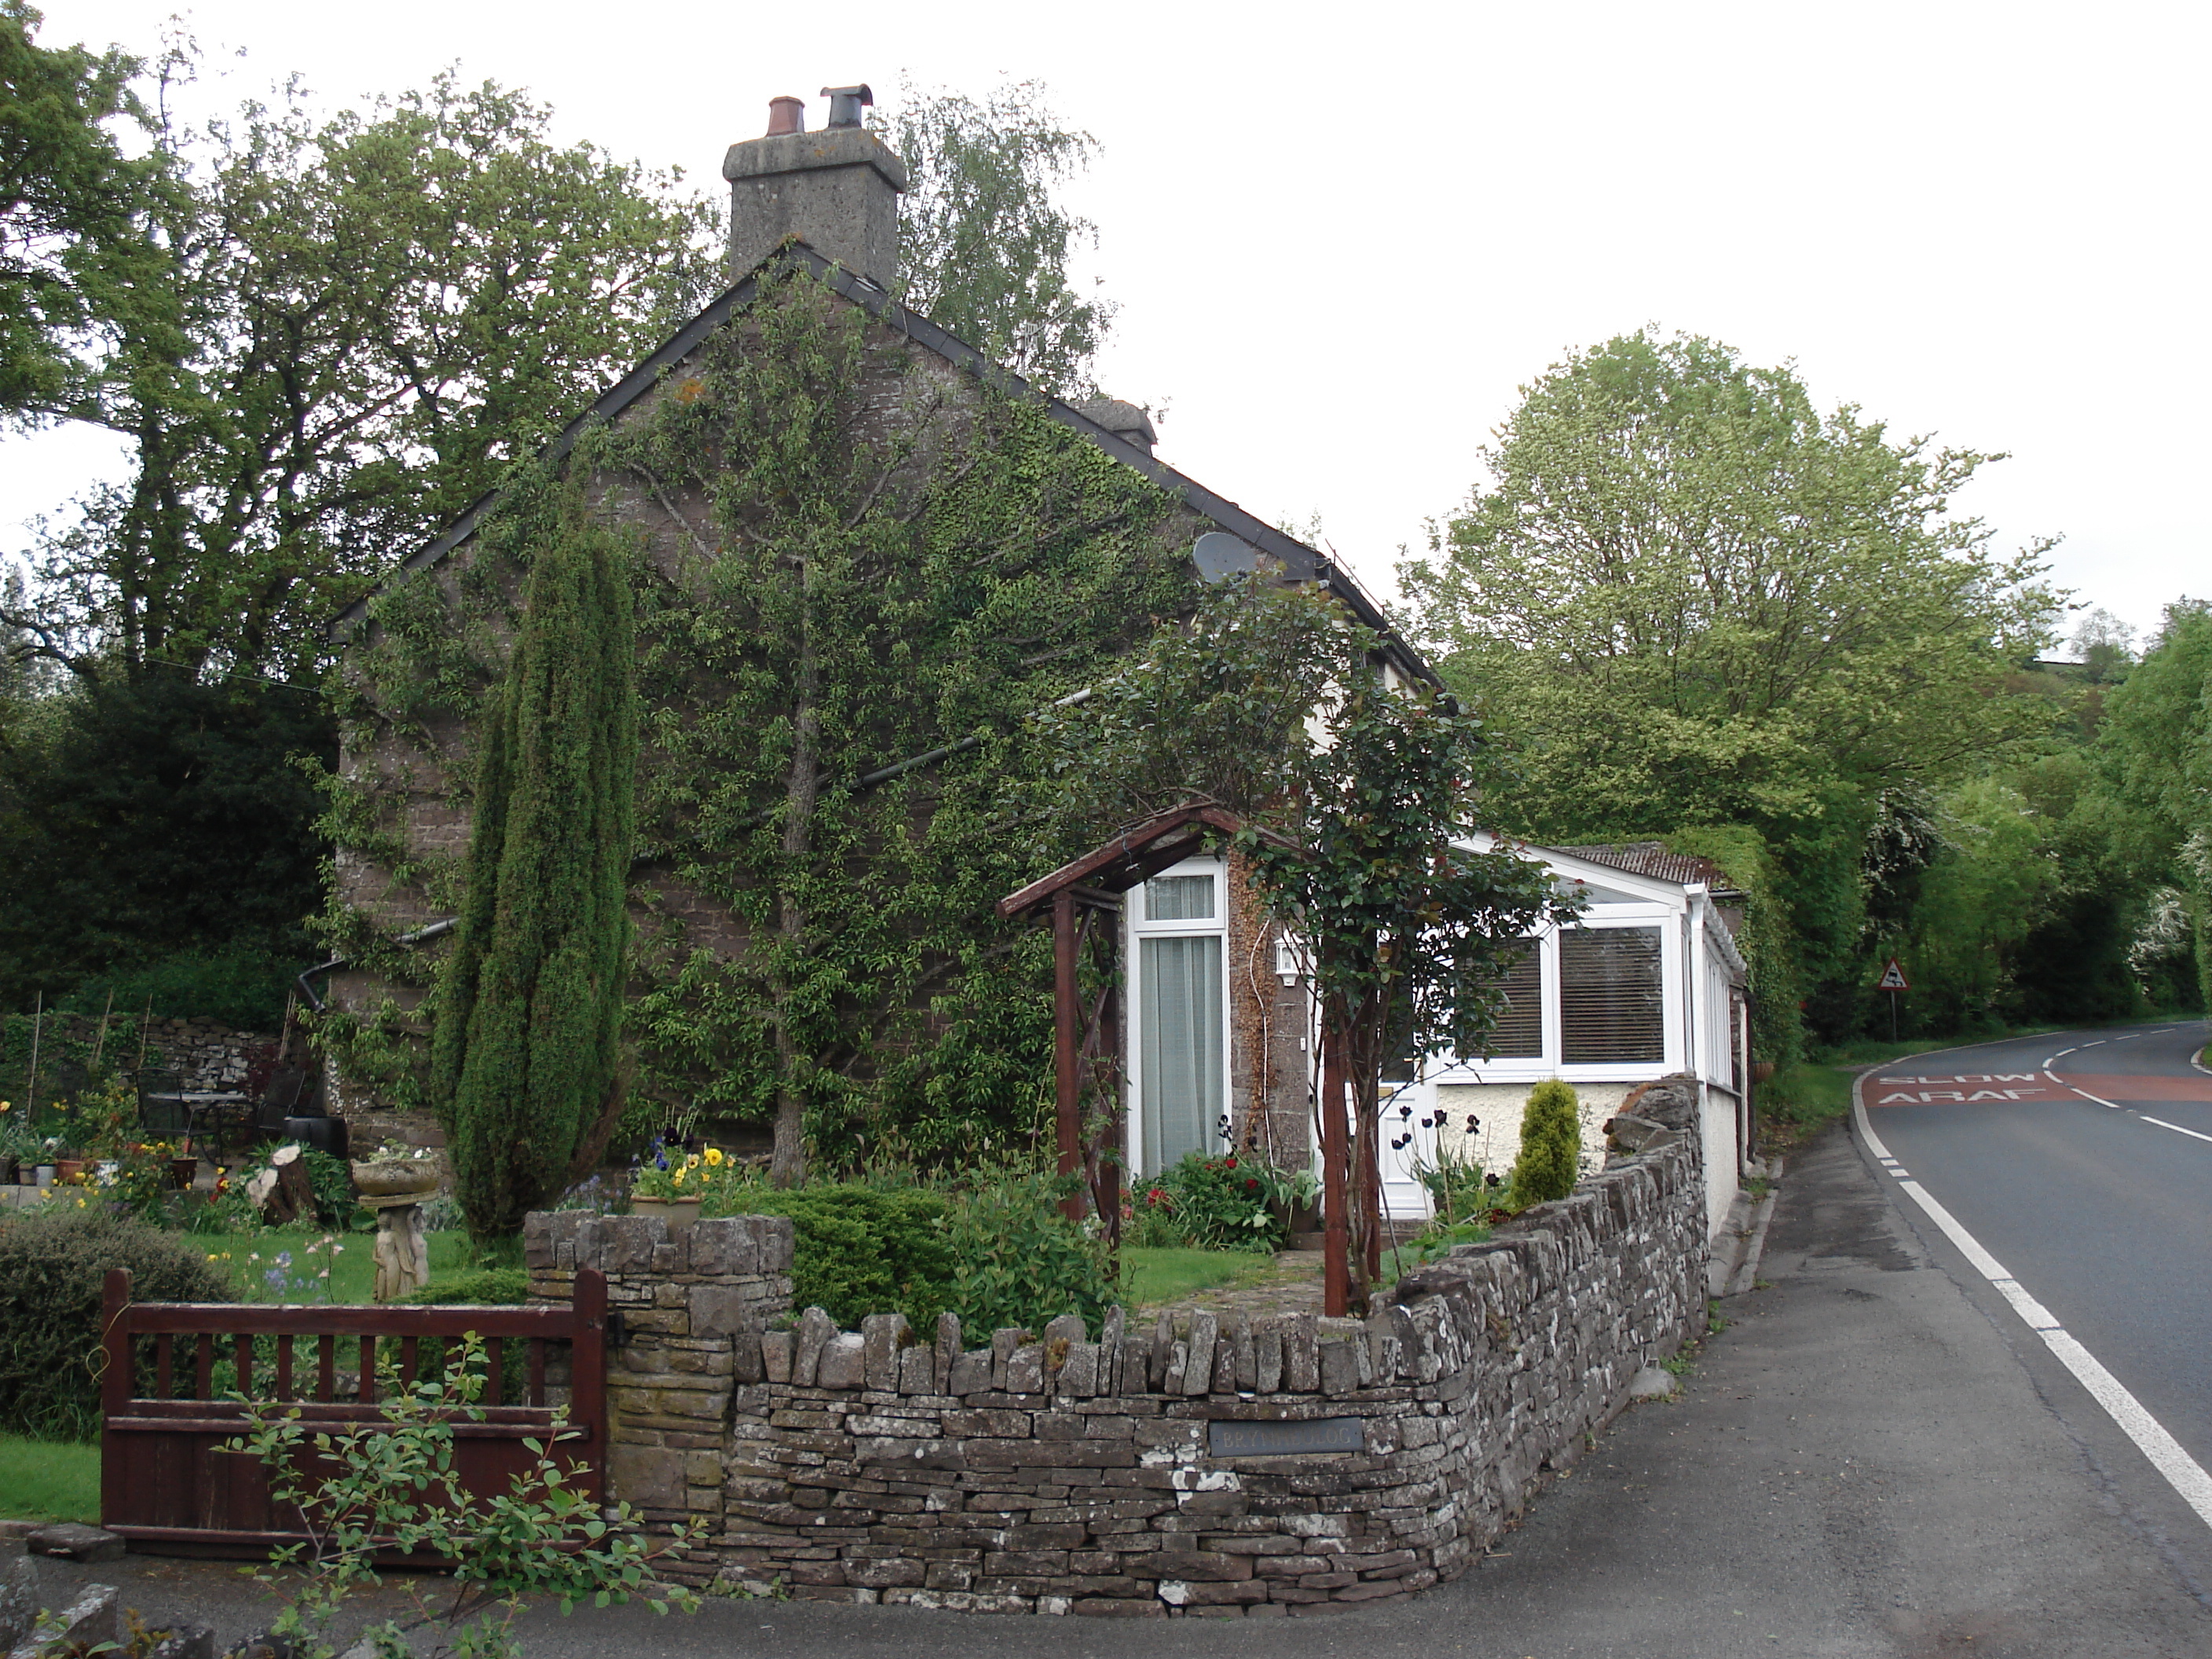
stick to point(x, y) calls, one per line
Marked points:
point(1342, 237)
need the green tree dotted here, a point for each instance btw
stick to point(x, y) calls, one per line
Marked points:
point(350, 327)
point(155, 818)
point(1551, 1145)
point(526, 1056)
point(67, 197)
point(1358, 839)
point(2154, 749)
point(1690, 598)
point(983, 242)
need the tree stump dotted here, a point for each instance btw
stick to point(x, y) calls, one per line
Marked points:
point(283, 1191)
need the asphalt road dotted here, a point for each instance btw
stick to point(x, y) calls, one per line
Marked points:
point(1864, 1464)
point(2082, 1163)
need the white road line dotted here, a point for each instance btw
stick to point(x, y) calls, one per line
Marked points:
point(2063, 1084)
point(2099, 1043)
point(2177, 1128)
point(2182, 1472)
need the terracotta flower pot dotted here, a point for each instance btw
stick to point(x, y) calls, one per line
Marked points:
point(181, 1171)
point(67, 1169)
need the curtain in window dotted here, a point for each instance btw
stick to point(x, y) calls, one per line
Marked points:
point(1179, 898)
point(1610, 999)
point(1180, 1070)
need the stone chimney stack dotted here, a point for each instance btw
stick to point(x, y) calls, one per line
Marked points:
point(836, 190)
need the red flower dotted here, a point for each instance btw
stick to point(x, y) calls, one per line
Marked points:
point(1229, 1162)
point(1251, 1182)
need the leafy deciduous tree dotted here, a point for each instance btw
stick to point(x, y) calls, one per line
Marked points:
point(67, 195)
point(1356, 837)
point(1690, 598)
point(351, 327)
point(983, 243)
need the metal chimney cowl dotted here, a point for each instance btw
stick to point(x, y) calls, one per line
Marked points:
point(836, 190)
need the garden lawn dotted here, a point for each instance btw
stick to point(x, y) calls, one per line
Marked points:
point(252, 1259)
point(1165, 1275)
point(49, 1480)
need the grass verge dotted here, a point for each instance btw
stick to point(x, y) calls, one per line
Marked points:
point(1151, 1275)
point(49, 1479)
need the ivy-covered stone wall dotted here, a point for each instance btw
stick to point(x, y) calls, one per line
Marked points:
point(846, 553)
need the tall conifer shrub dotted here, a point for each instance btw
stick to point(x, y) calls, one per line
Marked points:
point(527, 1052)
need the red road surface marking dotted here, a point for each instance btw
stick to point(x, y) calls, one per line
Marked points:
point(1984, 1087)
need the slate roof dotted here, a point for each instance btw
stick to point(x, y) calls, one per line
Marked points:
point(1299, 561)
point(1651, 858)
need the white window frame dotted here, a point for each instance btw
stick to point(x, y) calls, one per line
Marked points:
point(1134, 929)
point(1669, 921)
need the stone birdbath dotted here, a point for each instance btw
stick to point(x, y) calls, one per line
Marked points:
point(394, 1190)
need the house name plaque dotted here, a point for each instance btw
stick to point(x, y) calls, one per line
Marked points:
point(1277, 1439)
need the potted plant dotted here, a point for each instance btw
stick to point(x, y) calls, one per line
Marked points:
point(674, 1184)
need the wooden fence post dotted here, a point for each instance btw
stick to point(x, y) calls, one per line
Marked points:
point(117, 1385)
point(587, 1382)
point(1067, 1039)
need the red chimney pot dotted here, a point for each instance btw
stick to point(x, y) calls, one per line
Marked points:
point(786, 115)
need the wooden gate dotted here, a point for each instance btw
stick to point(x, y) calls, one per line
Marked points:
point(165, 1484)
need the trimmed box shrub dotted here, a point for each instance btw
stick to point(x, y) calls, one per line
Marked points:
point(53, 1267)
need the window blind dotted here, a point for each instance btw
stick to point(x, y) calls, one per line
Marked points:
point(1610, 1009)
point(1518, 1031)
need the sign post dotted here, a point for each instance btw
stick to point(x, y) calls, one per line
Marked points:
point(1893, 980)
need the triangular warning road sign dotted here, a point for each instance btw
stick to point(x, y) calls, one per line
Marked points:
point(1893, 977)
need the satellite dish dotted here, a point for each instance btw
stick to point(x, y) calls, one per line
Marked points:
point(1219, 555)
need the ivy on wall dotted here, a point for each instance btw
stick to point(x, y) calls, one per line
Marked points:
point(845, 554)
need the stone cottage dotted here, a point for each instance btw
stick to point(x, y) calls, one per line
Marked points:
point(1219, 1029)
point(1221, 1034)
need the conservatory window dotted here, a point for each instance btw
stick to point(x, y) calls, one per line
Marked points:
point(1518, 1030)
point(1612, 1003)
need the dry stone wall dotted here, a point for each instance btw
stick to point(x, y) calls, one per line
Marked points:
point(1215, 1467)
point(208, 1055)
